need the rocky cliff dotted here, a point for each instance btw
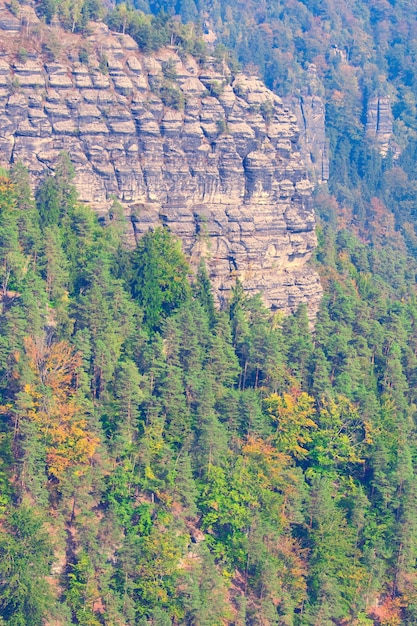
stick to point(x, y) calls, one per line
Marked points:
point(379, 122)
point(310, 110)
point(212, 156)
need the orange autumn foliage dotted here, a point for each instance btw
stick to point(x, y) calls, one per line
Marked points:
point(388, 613)
point(269, 462)
point(54, 406)
point(271, 470)
point(381, 225)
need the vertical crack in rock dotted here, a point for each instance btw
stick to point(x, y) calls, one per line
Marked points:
point(379, 122)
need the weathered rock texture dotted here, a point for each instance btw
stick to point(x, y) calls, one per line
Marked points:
point(310, 110)
point(379, 122)
point(223, 172)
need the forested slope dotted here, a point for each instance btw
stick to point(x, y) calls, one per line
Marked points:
point(167, 463)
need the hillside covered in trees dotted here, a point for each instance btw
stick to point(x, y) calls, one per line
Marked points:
point(164, 462)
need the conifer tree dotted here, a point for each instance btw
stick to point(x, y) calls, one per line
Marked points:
point(159, 276)
point(25, 554)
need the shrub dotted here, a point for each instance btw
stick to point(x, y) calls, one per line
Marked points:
point(172, 97)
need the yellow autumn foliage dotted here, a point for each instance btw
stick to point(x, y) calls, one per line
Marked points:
point(292, 413)
point(52, 404)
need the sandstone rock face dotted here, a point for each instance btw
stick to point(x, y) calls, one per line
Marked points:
point(213, 157)
point(379, 122)
point(310, 111)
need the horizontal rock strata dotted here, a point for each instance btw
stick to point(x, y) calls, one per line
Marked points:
point(212, 156)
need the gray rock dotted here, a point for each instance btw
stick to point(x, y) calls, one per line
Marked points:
point(379, 122)
point(8, 22)
point(221, 174)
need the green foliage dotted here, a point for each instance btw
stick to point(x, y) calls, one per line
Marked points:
point(238, 430)
point(81, 591)
point(25, 553)
point(245, 469)
point(83, 56)
point(152, 32)
point(6, 461)
point(56, 195)
point(11, 259)
point(171, 96)
point(159, 276)
point(46, 9)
